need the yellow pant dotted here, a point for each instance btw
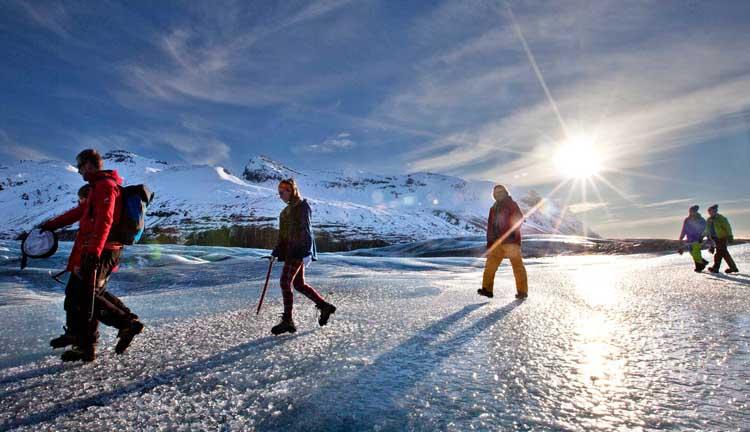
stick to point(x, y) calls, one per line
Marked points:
point(495, 257)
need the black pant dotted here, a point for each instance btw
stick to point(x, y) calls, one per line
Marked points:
point(108, 309)
point(722, 252)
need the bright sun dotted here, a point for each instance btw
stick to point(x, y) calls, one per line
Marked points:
point(578, 158)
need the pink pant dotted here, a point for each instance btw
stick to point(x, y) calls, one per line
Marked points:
point(294, 274)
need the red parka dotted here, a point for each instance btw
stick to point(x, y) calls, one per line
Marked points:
point(95, 217)
point(504, 221)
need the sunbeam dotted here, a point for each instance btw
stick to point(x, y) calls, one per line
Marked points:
point(599, 197)
point(622, 194)
point(538, 72)
point(564, 209)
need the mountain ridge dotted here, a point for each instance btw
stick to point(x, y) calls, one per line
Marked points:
point(203, 204)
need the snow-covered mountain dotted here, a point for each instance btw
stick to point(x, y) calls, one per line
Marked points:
point(210, 205)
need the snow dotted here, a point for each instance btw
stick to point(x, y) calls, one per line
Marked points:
point(349, 205)
point(602, 343)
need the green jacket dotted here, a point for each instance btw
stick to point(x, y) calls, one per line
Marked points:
point(718, 227)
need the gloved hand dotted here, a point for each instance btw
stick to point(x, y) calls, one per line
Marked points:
point(681, 250)
point(275, 252)
point(89, 266)
point(712, 250)
point(730, 240)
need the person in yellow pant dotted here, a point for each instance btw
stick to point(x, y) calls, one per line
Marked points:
point(504, 241)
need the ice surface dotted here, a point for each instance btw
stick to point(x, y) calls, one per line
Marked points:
point(602, 343)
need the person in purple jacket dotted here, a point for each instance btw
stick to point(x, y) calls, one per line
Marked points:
point(692, 229)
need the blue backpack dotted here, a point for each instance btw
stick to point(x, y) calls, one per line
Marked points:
point(135, 201)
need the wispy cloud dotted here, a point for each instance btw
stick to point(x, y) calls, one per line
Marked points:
point(52, 16)
point(210, 151)
point(667, 203)
point(230, 66)
point(340, 142)
point(12, 149)
point(585, 207)
point(675, 220)
point(191, 145)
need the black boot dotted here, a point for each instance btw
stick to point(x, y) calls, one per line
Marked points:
point(63, 340)
point(126, 336)
point(732, 270)
point(86, 354)
point(700, 266)
point(484, 292)
point(713, 270)
point(326, 309)
point(523, 296)
point(285, 326)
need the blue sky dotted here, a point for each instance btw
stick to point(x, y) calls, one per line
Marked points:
point(661, 88)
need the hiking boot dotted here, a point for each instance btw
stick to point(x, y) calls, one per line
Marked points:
point(699, 267)
point(713, 270)
point(484, 292)
point(326, 309)
point(732, 270)
point(86, 355)
point(285, 326)
point(523, 296)
point(126, 336)
point(66, 339)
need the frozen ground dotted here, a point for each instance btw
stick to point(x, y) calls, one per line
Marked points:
point(602, 343)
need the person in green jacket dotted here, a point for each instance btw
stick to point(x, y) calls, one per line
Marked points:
point(720, 232)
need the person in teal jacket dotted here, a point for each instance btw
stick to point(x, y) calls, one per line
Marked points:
point(693, 228)
point(720, 232)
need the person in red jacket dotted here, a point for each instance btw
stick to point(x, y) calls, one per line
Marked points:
point(72, 289)
point(504, 240)
point(89, 302)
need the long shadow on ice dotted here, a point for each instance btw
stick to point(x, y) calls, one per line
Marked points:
point(739, 279)
point(31, 374)
point(372, 397)
point(255, 347)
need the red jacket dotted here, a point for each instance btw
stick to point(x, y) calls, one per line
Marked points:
point(96, 217)
point(504, 222)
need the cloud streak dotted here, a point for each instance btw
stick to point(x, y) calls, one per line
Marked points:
point(51, 16)
point(12, 149)
point(341, 142)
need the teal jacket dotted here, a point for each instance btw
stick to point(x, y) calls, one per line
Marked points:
point(717, 227)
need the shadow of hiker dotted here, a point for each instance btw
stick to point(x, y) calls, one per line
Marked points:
point(31, 374)
point(373, 393)
point(225, 357)
point(740, 279)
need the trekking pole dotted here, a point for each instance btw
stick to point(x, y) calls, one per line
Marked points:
point(93, 295)
point(270, 259)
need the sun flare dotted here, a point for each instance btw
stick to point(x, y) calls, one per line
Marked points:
point(578, 158)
